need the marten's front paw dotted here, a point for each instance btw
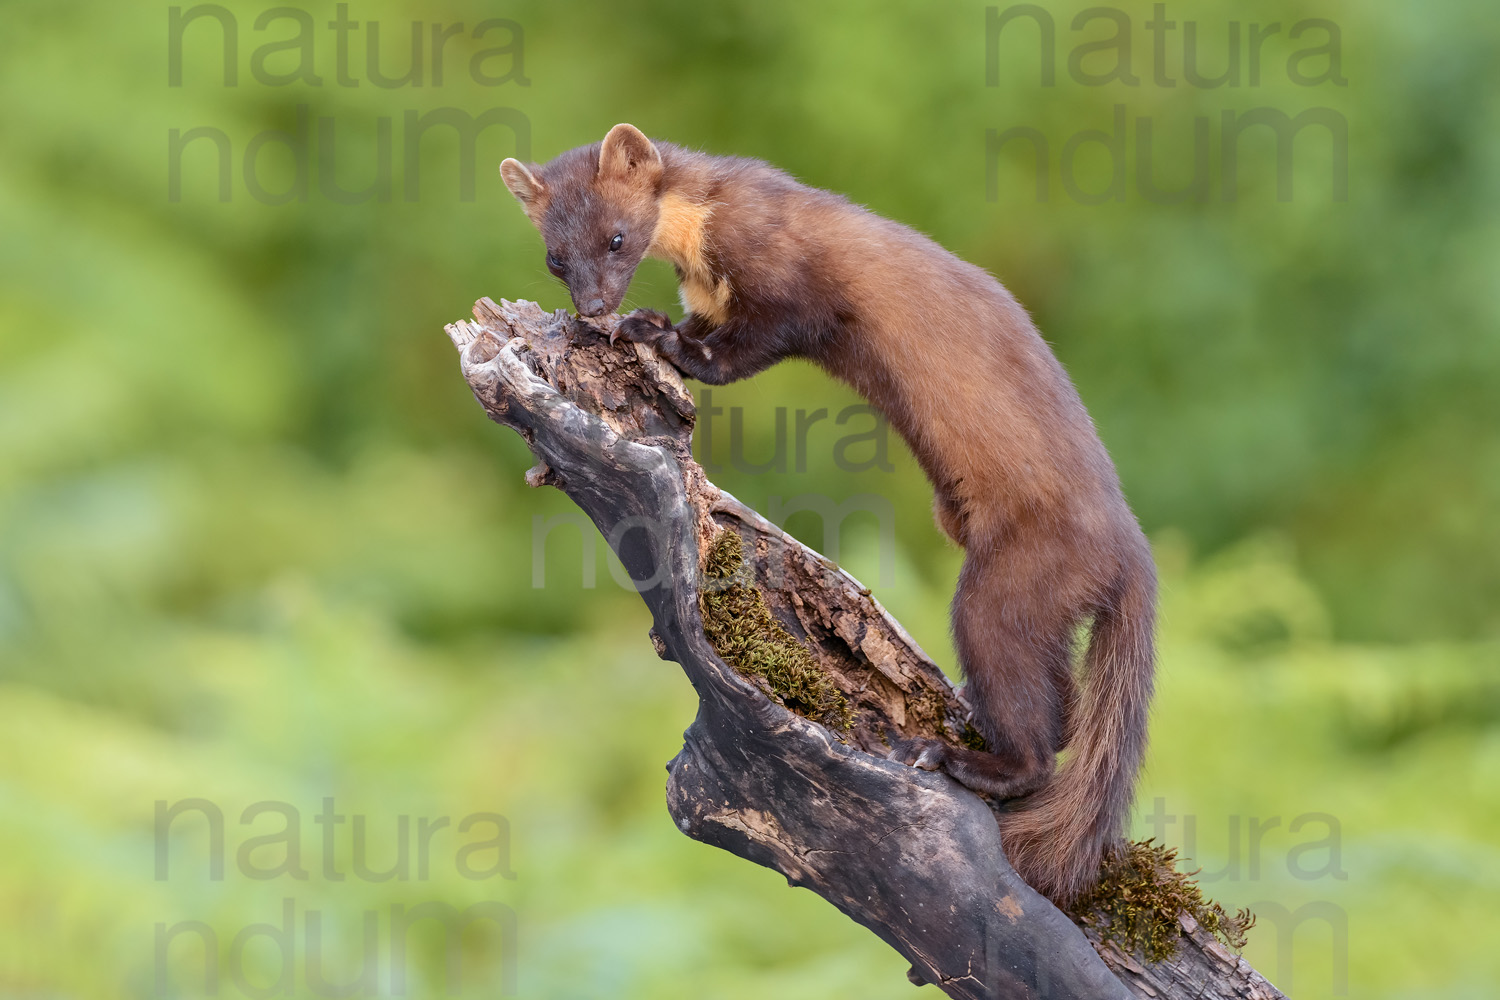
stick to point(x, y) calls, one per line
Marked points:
point(644, 326)
point(929, 755)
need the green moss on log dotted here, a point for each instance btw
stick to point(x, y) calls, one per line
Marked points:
point(973, 738)
point(743, 631)
point(1140, 896)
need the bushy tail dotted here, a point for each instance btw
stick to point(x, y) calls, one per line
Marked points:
point(1057, 839)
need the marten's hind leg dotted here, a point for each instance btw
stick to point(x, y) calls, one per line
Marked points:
point(1014, 643)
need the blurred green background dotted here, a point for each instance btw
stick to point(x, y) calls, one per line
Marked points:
point(257, 542)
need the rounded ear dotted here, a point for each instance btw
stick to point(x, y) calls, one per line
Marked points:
point(626, 152)
point(521, 182)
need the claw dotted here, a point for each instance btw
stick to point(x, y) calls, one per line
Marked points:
point(926, 754)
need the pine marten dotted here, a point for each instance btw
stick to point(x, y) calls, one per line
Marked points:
point(770, 269)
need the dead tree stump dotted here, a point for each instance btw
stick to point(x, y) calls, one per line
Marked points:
point(909, 854)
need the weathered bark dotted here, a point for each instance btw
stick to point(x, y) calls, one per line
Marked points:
point(907, 853)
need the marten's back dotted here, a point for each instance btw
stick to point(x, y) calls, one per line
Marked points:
point(934, 341)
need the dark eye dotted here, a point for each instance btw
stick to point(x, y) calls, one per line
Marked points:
point(553, 264)
point(617, 242)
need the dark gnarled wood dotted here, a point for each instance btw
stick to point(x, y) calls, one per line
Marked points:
point(907, 853)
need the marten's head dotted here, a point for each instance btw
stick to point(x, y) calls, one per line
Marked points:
point(596, 207)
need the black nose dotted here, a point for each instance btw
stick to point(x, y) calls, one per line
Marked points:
point(593, 307)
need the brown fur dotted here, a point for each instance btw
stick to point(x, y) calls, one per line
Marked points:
point(772, 269)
